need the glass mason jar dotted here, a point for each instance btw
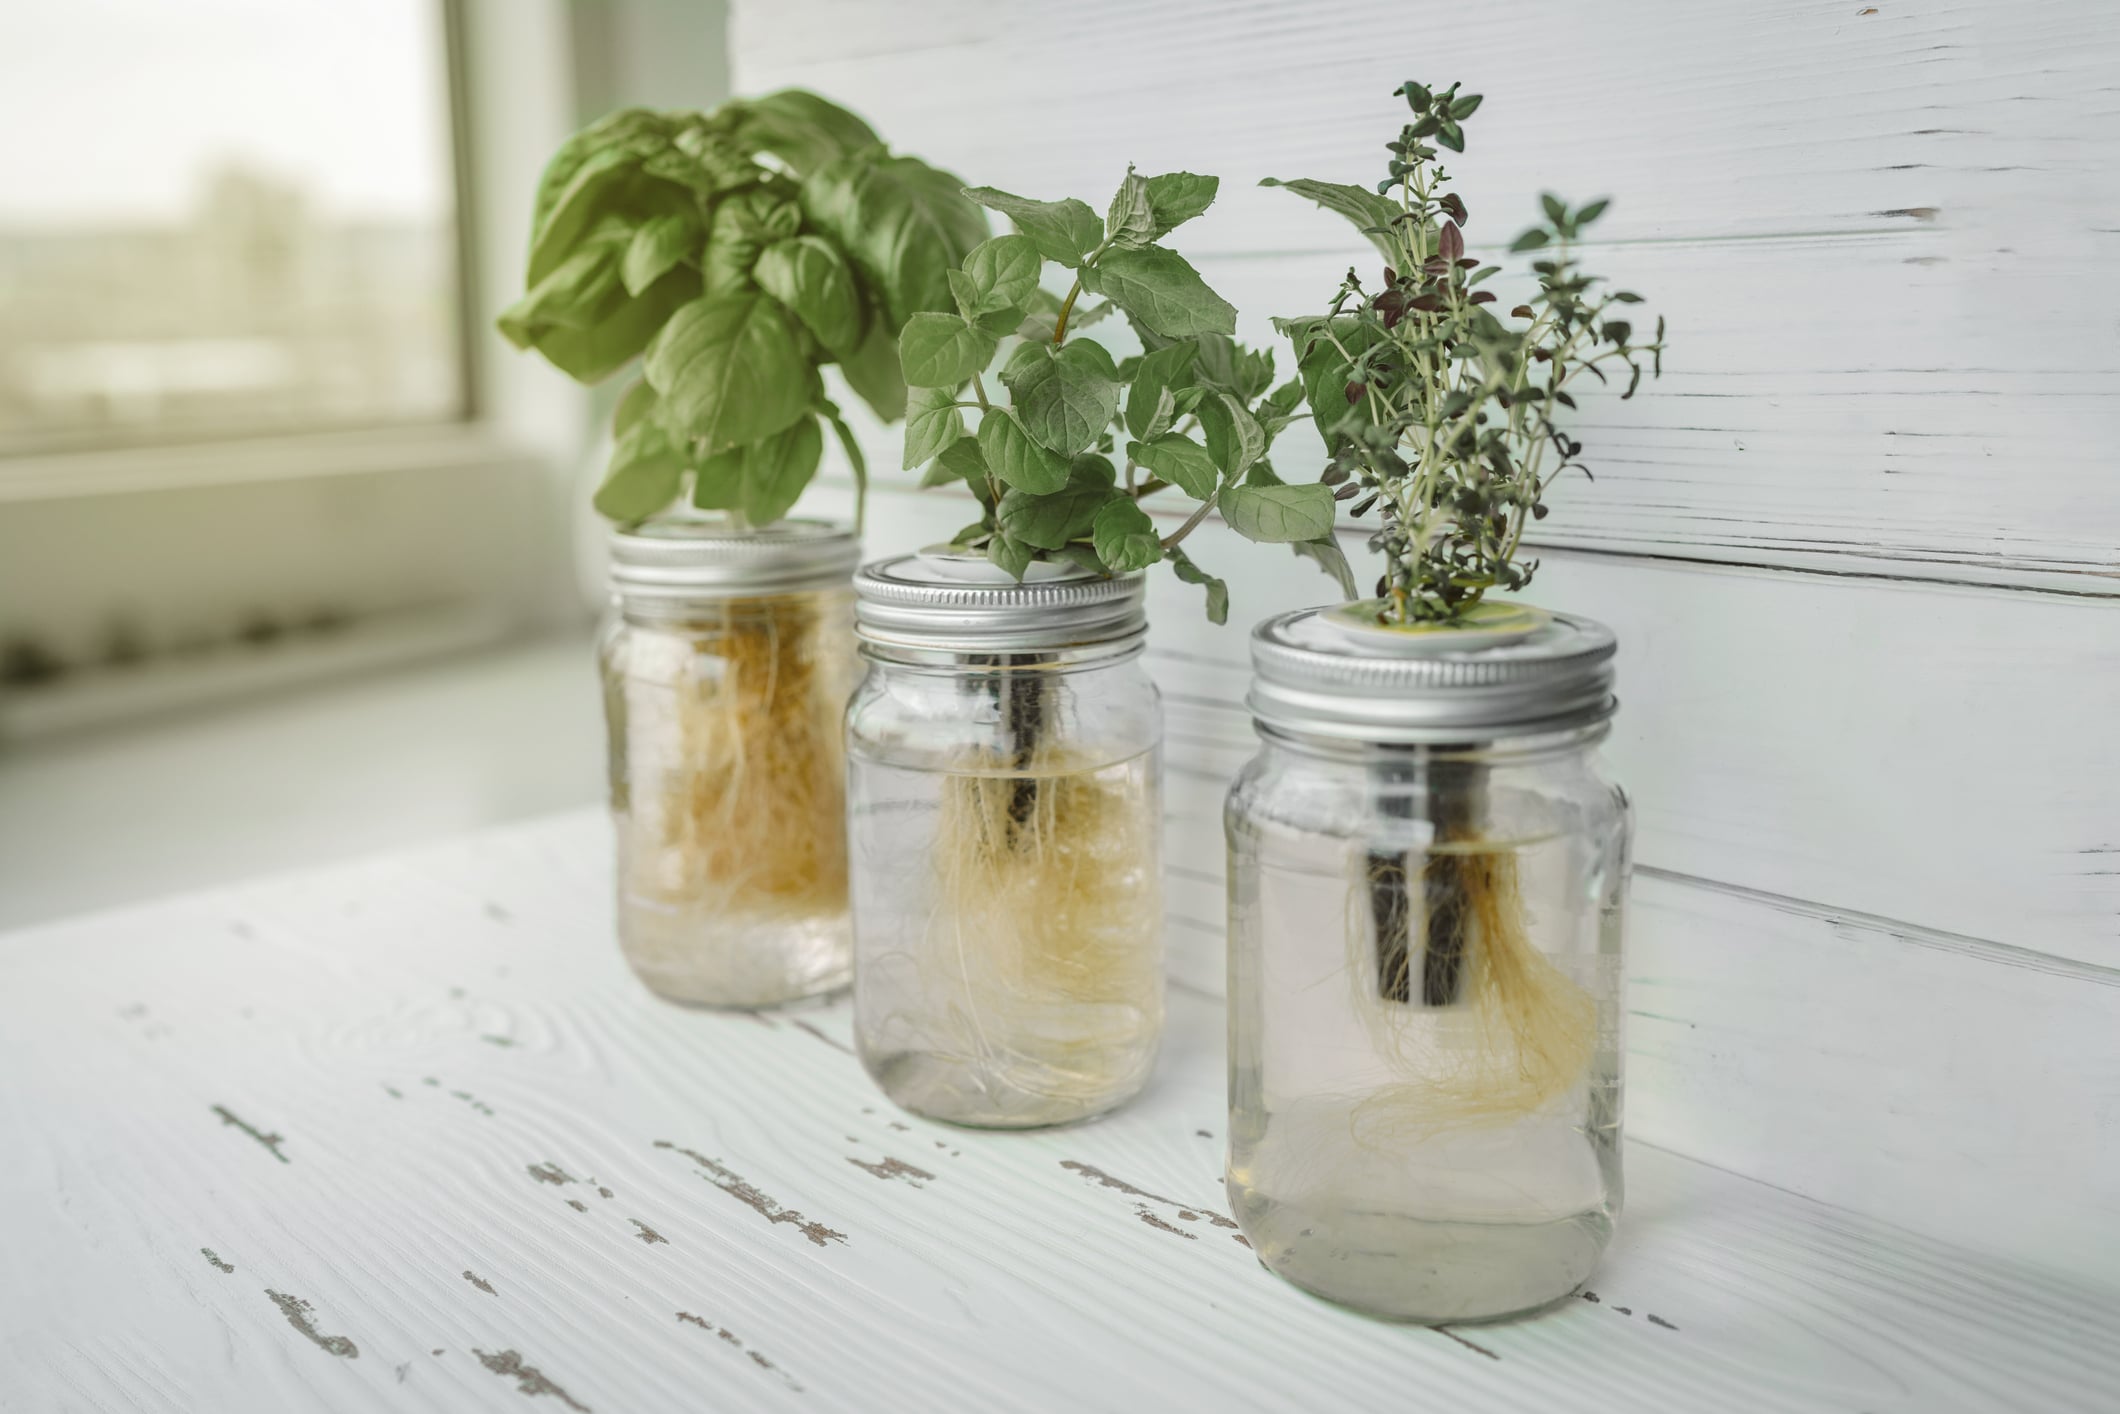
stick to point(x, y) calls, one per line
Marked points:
point(727, 659)
point(1427, 882)
point(1005, 819)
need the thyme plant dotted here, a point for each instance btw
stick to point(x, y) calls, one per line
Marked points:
point(1062, 464)
point(1436, 411)
point(740, 251)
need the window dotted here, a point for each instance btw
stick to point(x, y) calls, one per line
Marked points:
point(225, 217)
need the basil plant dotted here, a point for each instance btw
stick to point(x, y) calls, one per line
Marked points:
point(740, 251)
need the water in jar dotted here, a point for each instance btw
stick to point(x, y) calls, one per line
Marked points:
point(727, 772)
point(1010, 948)
point(1425, 1063)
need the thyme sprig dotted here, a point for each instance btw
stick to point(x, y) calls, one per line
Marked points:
point(1435, 411)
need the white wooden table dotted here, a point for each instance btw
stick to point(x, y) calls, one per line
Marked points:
point(405, 1135)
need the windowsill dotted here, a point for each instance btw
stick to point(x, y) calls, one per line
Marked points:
point(283, 458)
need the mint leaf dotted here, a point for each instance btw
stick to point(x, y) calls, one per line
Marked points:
point(776, 469)
point(729, 371)
point(1263, 474)
point(1049, 522)
point(810, 277)
point(1003, 274)
point(1124, 536)
point(1065, 397)
point(942, 351)
point(1358, 204)
point(932, 424)
point(644, 476)
point(657, 246)
point(1279, 408)
point(1089, 469)
point(961, 460)
point(1217, 591)
point(1234, 438)
point(1159, 288)
point(1331, 559)
point(1063, 231)
point(1011, 555)
point(1277, 513)
point(1175, 198)
point(1129, 222)
point(1013, 456)
point(1157, 375)
point(1179, 460)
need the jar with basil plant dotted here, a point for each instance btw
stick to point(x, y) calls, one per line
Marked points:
point(731, 258)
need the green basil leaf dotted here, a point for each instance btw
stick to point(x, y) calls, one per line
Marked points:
point(1065, 397)
point(717, 482)
point(656, 248)
point(801, 129)
point(1011, 555)
point(1003, 273)
point(932, 424)
point(638, 405)
point(1049, 522)
point(1012, 455)
point(1360, 205)
point(942, 350)
point(1176, 197)
point(1217, 591)
point(1181, 461)
point(729, 371)
point(597, 174)
point(1234, 438)
point(872, 371)
point(579, 292)
point(1159, 288)
point(1330, 558)
point(1156, 376)
point(645, 475)
point(1063, 231)
point(809, 276)
point(1125, 537)
point(595, 353)
point(777, 468)
point(904, 225)
point(1277, 513)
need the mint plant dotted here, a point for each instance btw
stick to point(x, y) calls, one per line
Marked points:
point(739, 251)
point(1062, 464)
point(1433, 409)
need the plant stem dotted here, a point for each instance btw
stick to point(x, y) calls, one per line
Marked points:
point(1171, 541)
point(1067, 307)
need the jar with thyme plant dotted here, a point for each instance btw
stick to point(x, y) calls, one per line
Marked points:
point(1427, 881)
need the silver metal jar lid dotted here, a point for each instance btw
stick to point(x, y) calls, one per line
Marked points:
point(1311, 676)
point(958, 603)
point(681, 559)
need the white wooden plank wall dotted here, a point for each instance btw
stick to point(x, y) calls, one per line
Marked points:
point(1862, 544)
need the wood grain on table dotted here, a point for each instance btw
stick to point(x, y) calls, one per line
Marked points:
point(405, 1135)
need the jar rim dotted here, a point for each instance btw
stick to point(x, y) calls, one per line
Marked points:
point(910, 603)
point(681, 558)
point(1312, 680)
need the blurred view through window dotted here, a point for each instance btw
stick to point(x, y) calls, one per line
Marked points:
point(224, 217)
